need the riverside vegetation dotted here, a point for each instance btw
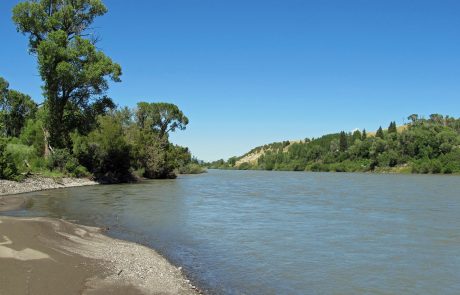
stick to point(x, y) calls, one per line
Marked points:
point(78, 130)
point(423, 146)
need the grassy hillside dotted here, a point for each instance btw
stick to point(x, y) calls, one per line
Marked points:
point(422, 146)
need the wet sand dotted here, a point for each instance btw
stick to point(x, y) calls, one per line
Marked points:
point(46, 256)
point(50, 256)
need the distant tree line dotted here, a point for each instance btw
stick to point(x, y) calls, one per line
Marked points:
point(429, 145)
point(78, 130)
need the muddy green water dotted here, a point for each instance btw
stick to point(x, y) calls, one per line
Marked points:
point(256, 232)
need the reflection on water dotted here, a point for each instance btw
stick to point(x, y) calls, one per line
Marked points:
point(256, 232)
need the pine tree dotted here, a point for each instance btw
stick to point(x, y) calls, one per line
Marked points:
point(356, 135)
point(364, 135)
point(380, 133)
point(392, 128)
point(343, 142)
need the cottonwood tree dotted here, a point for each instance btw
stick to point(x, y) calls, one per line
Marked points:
point(160, 117)
point(15, 109)
point(155, 153)
point(75, 73)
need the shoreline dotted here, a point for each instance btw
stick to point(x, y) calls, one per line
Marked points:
point(53, 256)
point(11, 191)
point(39, 183)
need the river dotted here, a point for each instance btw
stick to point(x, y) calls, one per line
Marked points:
point(262, 232)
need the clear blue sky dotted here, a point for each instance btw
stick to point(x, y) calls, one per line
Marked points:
point(248, 73)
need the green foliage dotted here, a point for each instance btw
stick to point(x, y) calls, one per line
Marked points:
point(15, 109)
point(425, 146)
point(379, 133)
point(78, 131)
point(343, 142)
point(22, 155)
point(191, 168)
point(33, 133)
point(8, 168)
point(74, 72)
point(104, 152)
point(161, 118)
point(66, 164)
point(392, 128)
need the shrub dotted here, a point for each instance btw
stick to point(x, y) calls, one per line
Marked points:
point(244, 166)
point(191, 168)
point(8, 169)
point(22, 155)
point(104, 152)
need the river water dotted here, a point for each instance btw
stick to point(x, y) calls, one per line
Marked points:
point(261, 232)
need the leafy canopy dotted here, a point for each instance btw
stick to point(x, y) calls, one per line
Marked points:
point(15, 109)
point(75, 73)
point(160, 117)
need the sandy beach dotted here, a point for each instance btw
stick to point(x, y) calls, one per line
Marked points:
point(52, 256)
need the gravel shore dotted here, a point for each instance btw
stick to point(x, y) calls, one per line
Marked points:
point(50, 256)
point(38, 183)
point(53, 256)
point(10, 198)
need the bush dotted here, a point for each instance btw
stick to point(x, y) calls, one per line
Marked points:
point(32, 135)
point(436, 167)
point(244, 166)
point(22, 155)
point(104, 152)
point(191, 168)
point(8, 169)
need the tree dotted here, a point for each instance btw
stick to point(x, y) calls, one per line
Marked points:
point(437, 118)
point(413, 118)
point(154, 152)
point(379, 133)
point(343, 142)
point(15, 109)
point(74, 72)
point(105, 151)
point(160, 117)
point(364, 135)
point(392, 128)
point(356, 135)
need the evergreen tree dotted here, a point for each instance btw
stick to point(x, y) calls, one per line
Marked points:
point(380, 133)
point(364, 135)
point(356, 135)
point(343, 142)
point(392, 128)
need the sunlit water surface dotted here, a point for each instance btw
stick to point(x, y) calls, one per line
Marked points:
point(256, 232)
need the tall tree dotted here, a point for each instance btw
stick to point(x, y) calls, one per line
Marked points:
point(356, 135)
point(364, 135)
point(75, 73)
point(343, 141)
point(413, 118)
point(155, 121)
point(379, 133)
point(392, 128)
point(15, 109)
point(160, 117)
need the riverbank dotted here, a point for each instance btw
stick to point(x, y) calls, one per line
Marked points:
point(52, 256)
point(10, 198)
point(38, 183)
